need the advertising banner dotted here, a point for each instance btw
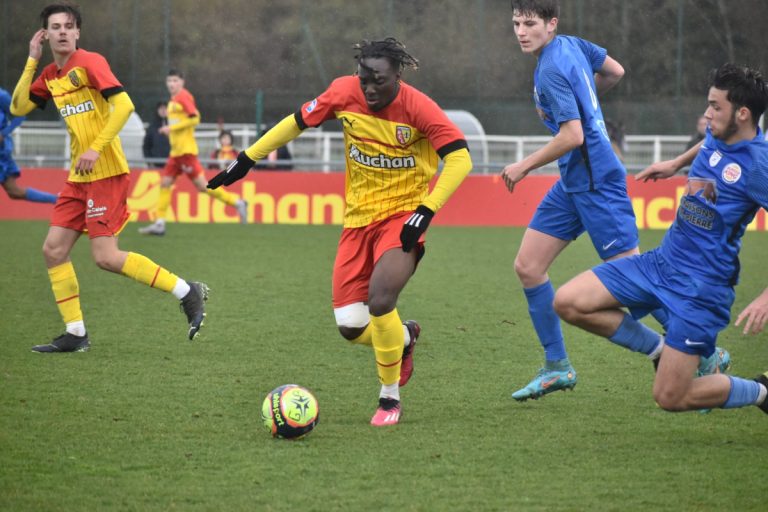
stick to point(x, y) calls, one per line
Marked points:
point(306, 197)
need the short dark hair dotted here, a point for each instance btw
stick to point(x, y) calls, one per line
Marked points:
point(746, 87)
point(227, 132)
point(390, 49)
point(65, 7)
point(544, 9)
point(176, 72)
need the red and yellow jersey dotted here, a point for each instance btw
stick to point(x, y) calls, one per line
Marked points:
point(391, 154)
point(182, 119)
point(80, 91)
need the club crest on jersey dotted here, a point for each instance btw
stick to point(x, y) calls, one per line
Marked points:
point(715, 158)
point(73, 78)
point(403, 134)
point(731, 173)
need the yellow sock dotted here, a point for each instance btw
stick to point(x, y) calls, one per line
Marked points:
point(365, 338)
point(144, 270)
point(164, 202)
point(387, 340)
point(66, 291)
point(222, 195)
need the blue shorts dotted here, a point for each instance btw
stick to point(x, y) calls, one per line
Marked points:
point(8, 168)
point(606, 214)
point(697, 310)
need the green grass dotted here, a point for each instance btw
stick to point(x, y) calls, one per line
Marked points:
point(149, 421)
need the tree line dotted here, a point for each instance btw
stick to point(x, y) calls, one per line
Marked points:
point(242, 55)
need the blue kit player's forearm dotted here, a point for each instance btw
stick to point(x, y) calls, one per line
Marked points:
point(570, 137)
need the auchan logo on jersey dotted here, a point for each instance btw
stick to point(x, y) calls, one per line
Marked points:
point(381, 161)
point(80, 108)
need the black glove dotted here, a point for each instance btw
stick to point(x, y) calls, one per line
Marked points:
point(235, 171)
point(415, 226)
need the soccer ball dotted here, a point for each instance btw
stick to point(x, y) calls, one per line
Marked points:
point(289, 411)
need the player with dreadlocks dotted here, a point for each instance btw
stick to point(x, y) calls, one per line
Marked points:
point(393, 136)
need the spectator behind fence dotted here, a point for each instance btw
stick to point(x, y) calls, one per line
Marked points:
point(270, 162)
point(156, 145)
point(225, 152)
point(701, 130)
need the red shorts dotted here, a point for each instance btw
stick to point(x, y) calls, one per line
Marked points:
point(175, 166)
point(99, 207)
point(359, 250)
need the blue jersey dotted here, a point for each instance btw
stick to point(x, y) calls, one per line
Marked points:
point(7, 124)
point(564, 90)
point(726, 187)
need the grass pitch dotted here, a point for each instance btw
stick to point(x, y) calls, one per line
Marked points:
point(150, 421)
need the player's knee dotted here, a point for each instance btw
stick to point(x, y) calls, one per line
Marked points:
point(107, 259)
point(668, 399)
point(105, 262)
point(54, 254)
point(565, 306)
point(352, 319)
point(381, 304)
point(569, 304)
point(527, 270)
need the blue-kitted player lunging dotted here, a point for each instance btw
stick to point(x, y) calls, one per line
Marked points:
point(693, 273)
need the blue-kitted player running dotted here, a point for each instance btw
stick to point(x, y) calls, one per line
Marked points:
point(9, 171)
point(693, 273)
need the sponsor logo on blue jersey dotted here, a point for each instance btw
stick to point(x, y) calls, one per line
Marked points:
point(731, 173)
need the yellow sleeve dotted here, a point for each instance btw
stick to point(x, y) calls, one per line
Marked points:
point(457, 165)
point(21, 105)
point(122, 106)
point(185, 123)
point(280, 135)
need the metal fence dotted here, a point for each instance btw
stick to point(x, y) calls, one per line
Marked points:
point(46, 144)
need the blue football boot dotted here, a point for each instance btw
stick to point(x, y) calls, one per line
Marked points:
point(545, 382)
point(718, 362)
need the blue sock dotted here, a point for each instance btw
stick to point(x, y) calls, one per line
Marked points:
point(40, 197)
point(743, 392)
point(661, 316)
point(545, 320)
point(635, 336)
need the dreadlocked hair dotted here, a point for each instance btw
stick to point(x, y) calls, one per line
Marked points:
point(390, 48)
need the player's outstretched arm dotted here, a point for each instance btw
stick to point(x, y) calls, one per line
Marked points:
point(668, 168)
point(280, 135)
point(755, 315)
point(236, 170)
